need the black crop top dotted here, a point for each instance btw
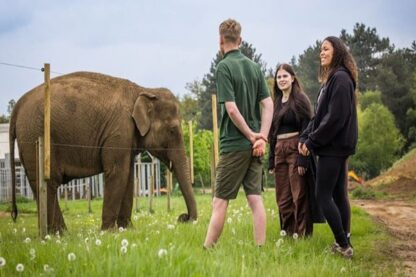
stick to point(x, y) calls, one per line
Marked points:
point(288, 123)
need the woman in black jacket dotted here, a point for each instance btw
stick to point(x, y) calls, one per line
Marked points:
point(292, 112)
point(332, 137)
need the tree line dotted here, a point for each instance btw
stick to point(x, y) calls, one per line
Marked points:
point(386, 96)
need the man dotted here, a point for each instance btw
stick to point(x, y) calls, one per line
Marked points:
point(241, 89)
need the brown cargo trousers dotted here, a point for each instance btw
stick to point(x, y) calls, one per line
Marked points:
point(291, 189)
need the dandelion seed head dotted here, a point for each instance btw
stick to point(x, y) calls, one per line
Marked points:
point(343, 270)
point(120, 229)
point(229, 220)
point(97, 242)
point(162, 252)
point(295, 236)
point(101, 233)
point(123, 250)
point(58, 241)
point(46, 268)
point(86, 240)
point(14, 230)
point(195, 222)
point(133, 245)
point(20, 267)
point(124, 242)
point(233, 231)
point(27, 240)
point(42, 242)
point(23, 230)
point(2, 262)
point(135, 218)
point(283, 233)
point(71, 257)
point(171, 226)
point(32, 251)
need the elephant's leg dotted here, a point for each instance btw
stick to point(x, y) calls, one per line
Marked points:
point(124, 216)
point(55, 219)
point(115, 167)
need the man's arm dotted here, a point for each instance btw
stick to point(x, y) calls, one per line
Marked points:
point(259, 147)
point(239, 121)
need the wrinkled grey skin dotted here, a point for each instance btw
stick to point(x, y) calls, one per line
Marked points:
point(98, 124)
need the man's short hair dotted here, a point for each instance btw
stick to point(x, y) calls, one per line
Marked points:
point(230, 29)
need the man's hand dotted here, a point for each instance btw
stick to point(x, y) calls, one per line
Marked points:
point(259, 147)
point(301, 170)
point(303, 150)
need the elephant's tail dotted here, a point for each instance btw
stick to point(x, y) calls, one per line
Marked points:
point(12, 138)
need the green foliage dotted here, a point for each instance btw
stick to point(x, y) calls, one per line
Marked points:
point(367, 48)
point(370, 97)
point(307, 68)
point(362, 192)
point(379, 141)
point(202, 146)
point(100, 254)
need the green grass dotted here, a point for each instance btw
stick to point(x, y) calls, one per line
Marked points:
point(234, 255)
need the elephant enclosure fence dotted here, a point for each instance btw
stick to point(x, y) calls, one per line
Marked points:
point(79, 188)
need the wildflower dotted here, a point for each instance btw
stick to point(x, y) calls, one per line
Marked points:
point(283, 233)
point(32, 251)
point(157, 232)
point(121, 229)
point(229, 220)
point(135, 218)
point(171, 226)
point(23, 230)
point(123, 250)
point(86, 240)
point(2, 262)
point(27, 240)
point(42, 242)
point(47, 268)
point(279, 242)
point(71, 257)
point(20, 267)
point(97, 242)
point(101, 233)
point(47, 237)
point(14, 230)
point(57, 233)
point(124, 243)
point(295, 236)
point(162, 252)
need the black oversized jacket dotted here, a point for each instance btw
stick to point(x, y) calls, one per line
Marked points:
point(334, 129)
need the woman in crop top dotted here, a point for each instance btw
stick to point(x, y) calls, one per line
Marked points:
point(292, 113)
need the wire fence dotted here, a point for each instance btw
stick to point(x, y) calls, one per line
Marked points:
point(78, 188)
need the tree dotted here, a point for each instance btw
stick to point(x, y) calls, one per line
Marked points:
point(367, 48)
point(307, 68)
point(379, 141)
point(202, 145)
point(370, 97)
point(208, 82)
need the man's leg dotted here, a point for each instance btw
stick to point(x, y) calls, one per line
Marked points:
point(259, 218)
point(219, 211)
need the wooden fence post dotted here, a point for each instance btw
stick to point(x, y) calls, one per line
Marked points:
point(47, 123)
point(42, 192)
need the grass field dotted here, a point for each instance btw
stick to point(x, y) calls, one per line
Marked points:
point(159, 246)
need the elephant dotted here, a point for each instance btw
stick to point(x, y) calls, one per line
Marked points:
point(99, 123)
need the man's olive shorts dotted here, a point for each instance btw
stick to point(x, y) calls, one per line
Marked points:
point(234, 169)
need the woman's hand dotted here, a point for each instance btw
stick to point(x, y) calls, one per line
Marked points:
point(303, 150)
point(301, 170)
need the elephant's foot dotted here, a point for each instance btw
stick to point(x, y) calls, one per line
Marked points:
point(124, 222)
point(183, 218)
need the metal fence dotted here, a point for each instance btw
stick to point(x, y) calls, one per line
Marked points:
point(78, 188)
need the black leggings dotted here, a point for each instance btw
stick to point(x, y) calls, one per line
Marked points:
point(332, 196)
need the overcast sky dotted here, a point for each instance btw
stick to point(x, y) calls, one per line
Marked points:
point(169, 43)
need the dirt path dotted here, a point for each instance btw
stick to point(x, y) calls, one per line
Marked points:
point(400, 220)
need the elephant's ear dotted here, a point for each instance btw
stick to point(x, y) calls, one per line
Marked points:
point(142, 111)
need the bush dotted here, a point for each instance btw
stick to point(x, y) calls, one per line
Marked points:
point(362, 192)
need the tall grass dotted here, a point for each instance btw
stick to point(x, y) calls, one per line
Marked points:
point(159, 246)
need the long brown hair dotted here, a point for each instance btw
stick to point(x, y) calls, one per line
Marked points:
point(341, 57)
point(298, 101)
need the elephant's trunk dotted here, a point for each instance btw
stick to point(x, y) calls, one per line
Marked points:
point(182, 172)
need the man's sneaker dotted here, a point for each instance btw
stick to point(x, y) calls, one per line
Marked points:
point(346, 252)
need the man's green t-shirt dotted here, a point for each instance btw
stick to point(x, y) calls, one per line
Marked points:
point(239, 80)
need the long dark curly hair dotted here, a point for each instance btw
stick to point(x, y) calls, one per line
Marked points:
point(298, 101)
point(341, 57)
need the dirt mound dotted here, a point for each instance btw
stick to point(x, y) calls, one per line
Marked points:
point(400, 180)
